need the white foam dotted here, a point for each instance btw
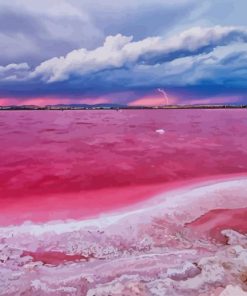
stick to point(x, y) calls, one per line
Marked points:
point(160, 131)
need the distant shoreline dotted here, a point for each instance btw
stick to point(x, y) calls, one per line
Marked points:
point(169, 107)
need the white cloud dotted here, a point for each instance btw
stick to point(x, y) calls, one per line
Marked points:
point(119, 51)
point(53, 28)
point(223, 65)
point(13, 72)
point(22, 66)
point(216, 54)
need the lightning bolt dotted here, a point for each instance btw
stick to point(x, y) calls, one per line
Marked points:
point(164, 95)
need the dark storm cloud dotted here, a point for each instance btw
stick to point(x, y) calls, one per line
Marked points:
point(94, 48)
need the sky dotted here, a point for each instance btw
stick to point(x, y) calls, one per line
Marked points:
point(135, 52)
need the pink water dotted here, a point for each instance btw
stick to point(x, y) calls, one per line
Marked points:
point(76, 164)
point(100, 203)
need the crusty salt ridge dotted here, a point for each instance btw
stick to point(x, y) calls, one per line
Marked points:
point(143, 252)
point(80, 278)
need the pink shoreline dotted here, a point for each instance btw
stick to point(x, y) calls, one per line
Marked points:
point(149, 195)
point(180, 240)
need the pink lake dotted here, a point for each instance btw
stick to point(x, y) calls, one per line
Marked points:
point(77, 164)
point(134, 202)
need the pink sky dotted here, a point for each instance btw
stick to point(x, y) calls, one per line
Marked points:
point(43, 101)
point(151, 99)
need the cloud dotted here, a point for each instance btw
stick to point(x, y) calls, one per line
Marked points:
point(201, 61)
point(14, 71)
point(224, 65)
point(33, 31)
point(92, 49)
point(16, 67)
point(121, 51)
